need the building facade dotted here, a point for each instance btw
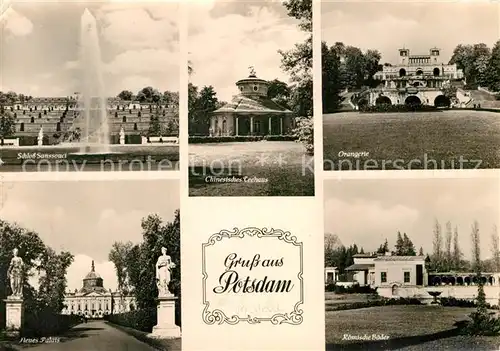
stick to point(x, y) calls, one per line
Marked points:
point(94, 301)
point(251, 112)
point(415, 80)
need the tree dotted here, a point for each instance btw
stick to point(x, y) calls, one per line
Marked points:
point(149, 95)
point(447, 246)
point(495, 249)
point(279, 92)
point(53, 281)
point(126, 95)
point(331, 81)
point(141, 259)
point(383, 248)
point(494, 68)
point(457, 253)
point(200, 105)
point(437, 244)
point(118, 255)
point(399, 245)
point(7, 124)
point(408, 247)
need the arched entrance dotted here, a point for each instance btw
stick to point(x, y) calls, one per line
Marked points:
point(442, 101)
point(383, 100)
point(402, 72)
point(436, 72)
point(413, 100)
point(395, 290)
point(420, 72)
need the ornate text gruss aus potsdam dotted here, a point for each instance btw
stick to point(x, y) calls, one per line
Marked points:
point(40, 156)
point(230, 282)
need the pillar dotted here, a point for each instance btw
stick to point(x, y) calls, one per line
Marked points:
point(281, 125)
point(270, 132)
point(14, 313)
point(251, 125)
point(165, 327)
point(237, 126)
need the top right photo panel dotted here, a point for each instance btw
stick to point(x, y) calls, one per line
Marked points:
point(410, 86)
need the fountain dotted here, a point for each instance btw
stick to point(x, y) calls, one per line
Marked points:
point(40, 136)
point(93, 103)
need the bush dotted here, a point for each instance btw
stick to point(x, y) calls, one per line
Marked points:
point(46, 323)
point(454, 302)
point(482, 324)
point(397, 108)
point(304, 132)
point(355, 289)
point(143, 319)
point(376, 303)
point(239, 138)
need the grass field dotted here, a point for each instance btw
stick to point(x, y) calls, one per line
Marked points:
point(282, 166)
point(409, 328)
point(418, 140)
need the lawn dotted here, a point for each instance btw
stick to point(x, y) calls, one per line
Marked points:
point(409, 328)
point(274, 168)
point(412, 140)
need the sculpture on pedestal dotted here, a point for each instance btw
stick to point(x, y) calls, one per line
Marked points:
point(163, 267)
point(122, 136)
point(15, 275)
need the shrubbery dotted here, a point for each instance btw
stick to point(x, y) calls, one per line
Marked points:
point(397, 108)
point(355, 289)
point(454, 302)
point(375, 303)
point(46, 323)
point(304, 132)
point(239, 138)
point(142, 319)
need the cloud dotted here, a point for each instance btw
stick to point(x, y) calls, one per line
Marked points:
point(223, 47)
point(81, 266)
point(143, 61)
point(348, 220)
point(15, 23)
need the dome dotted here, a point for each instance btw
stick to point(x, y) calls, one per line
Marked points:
point(92, 281)
point(252, 85)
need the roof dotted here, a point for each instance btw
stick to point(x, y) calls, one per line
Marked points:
point(258, 104)
point(400, 258)
point(364, 255)
point(360, 267)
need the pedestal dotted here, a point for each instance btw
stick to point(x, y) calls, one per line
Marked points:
point(14, 313)
point(165, 321)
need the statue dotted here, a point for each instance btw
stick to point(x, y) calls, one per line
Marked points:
point(252, 71)
point(15, 274)
point(122, 136)
point(163, 267)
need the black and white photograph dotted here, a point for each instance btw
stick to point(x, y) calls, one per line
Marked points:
point(410, 85)
point(412, 264)
point(89, 86)
point(90, 265)
point(250, 98)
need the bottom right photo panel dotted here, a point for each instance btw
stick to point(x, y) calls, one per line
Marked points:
point(412, 264)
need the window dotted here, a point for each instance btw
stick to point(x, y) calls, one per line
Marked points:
point(383, 277)
point(255, 88)
point(406, 277)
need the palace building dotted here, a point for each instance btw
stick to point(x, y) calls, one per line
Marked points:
point(415, 80)
point(60, 116)
point(407, 276)
point(94, 301)
point(251, 112)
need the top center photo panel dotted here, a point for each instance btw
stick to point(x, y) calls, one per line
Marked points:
point(410, 85)
point(250, 98)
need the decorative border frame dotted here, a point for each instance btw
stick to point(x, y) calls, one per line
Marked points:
point(218, 316)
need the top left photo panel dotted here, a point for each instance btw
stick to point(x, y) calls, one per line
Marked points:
point(89, 86)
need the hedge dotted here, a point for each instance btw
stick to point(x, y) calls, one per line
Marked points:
point(355, 289)
point(239, 138)
point(375, 303)
point(40, 323)
point(142, 319)
point(397, 108)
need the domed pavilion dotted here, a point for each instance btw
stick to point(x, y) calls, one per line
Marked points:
point(251, 112)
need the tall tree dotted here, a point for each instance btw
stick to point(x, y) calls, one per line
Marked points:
point(457, 253)
point(126, 95)
point(447, 246)
point(408, 247)
point(437, 247)
point(7, 124)
point(495, 249)
point(399, 248)
point(118, 255)
point(383, 248)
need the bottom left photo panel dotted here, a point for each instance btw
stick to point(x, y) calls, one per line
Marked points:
point(90, 265)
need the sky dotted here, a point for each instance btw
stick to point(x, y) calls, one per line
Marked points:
point(39, 48)
point(366, 212)
point(226, 37)
point(87, 217)
point(418, 26)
